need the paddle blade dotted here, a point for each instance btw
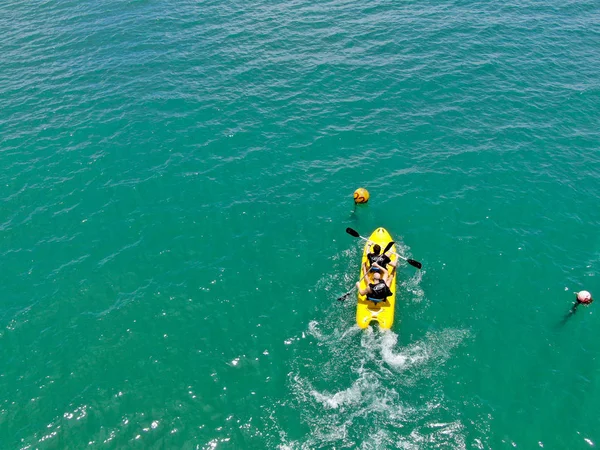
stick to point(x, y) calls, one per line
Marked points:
point(414, 263)
point(387, 247)
point(352, 232)
point(343, 297)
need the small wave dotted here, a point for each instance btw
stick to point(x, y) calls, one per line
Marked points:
point(435, 346)
point(413, 286)
point(361, 396)
point(353, 395)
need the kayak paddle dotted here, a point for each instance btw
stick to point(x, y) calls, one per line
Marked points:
point(412, 262)
point(345, 296)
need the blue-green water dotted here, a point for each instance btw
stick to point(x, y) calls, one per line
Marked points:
point(175, 181)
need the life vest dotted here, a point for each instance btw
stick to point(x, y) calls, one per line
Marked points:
point(379, 291)
point(382, 260)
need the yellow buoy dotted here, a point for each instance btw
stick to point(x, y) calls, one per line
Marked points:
point(361, 195)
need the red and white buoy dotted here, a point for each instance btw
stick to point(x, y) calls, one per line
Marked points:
point(584, 297)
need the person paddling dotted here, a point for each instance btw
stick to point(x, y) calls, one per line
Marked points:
point(379, 290)
point(381, 259)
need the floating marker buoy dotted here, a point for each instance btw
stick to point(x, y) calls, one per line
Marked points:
point(361, 195)
point(584, 297)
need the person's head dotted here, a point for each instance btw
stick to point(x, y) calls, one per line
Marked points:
point(376, 277)
point(376, 249)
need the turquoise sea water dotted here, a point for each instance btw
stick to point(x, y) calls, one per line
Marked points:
point(175, 181)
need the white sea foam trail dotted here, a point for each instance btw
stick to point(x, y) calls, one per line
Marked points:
point(360, 396)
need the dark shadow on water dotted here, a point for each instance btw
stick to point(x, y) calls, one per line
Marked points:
point(353, 216)
point(567, 316)
point(355, 213)
point(570, 314)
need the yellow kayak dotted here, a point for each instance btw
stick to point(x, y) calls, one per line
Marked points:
point(367, 311)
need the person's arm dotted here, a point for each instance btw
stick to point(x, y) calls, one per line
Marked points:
point(394, 265)
point(363, 291)
point(385, 275)
point(366, 273)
